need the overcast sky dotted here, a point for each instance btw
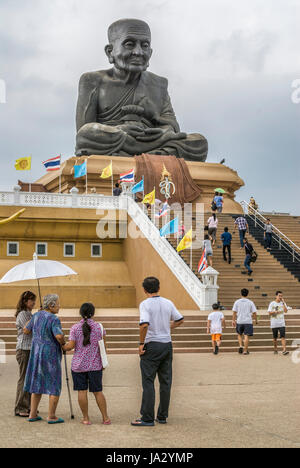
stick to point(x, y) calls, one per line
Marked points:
point(230, 65)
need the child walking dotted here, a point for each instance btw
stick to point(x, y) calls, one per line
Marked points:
point(87, 365)
point(216, 323)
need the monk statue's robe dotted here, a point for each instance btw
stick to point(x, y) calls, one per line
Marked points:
point(107, 107)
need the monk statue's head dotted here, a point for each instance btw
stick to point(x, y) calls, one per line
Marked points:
point(129, 45)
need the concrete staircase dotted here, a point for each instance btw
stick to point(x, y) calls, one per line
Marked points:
point(123, 333)
point(269, 275)
point(290, 226)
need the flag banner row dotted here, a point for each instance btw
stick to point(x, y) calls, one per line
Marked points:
point(107, 172)
point(203, 262)
point(52, 164)
point(139, 187)
point(170, 228)
point(23, 164)
point(127, 176)
point(150, 198)
point(80, 170)
point(186, 242)
point(163, 211)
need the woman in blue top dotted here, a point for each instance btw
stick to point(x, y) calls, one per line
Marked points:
point(44, 369)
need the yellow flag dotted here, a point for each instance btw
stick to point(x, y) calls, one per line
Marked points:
point(150, 198)
point(186, 242)
point(23, 164)
point(107, 172)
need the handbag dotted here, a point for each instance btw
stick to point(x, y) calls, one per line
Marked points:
point(213, 206)
point(103, 353)
point(254, 257)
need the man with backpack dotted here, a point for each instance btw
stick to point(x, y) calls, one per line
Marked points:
point(250, 255)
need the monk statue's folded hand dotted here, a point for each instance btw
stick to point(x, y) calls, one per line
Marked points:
point(132, 130)
point(151, 134)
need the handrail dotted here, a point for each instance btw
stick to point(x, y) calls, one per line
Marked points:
point(282, 239)
point(190, 282)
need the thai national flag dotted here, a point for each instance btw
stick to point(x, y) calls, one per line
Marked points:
point(53, 164)
point(203, 262)
point(127, 176)
point(164, 211)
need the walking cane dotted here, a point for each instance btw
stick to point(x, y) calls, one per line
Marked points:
point(68, 385)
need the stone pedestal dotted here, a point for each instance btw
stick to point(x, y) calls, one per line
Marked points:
point(207, 176)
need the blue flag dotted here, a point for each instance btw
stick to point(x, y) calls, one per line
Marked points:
point(80, 170)
point(139, 187)
point(170, 228)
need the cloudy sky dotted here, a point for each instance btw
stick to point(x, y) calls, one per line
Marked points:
point(230, 65)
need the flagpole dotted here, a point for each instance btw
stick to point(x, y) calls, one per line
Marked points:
point(30, 173)
point(60, 177)
point(112, 179)
point(86, 177)
point(191, 251)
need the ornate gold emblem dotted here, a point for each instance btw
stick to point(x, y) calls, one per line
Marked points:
point(167, 186)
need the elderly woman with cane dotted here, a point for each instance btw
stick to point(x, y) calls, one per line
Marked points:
point(44, 373)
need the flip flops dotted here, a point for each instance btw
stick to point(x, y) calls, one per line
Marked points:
point(140, 423)
point(58, 421)
point(32, 420)
point(107, 423)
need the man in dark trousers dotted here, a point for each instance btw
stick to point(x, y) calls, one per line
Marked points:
point(157, 317)
point(226, 239)
point(248, 251)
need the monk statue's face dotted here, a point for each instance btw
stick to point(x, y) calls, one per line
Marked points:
point(130, 48)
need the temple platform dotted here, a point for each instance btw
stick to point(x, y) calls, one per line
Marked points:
point(207, 176)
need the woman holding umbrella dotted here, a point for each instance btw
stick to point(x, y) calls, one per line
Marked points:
point(44, 373)
point(219, 200)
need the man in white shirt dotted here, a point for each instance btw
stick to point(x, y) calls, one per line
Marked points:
point(276, 310)
point(157, 317)
point(244, 311)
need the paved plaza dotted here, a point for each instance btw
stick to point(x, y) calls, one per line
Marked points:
point(224, 401)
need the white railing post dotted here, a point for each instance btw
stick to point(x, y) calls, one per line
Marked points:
point(17, 190)
point(74, 192)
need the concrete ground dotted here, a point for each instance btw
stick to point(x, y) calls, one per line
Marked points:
point(224, 401)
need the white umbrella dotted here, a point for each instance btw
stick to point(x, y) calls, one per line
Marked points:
point(36, 270)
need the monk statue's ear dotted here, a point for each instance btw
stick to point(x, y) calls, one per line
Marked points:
point(108, 50)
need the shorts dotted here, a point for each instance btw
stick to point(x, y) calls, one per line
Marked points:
point(278, 331)
point(216, 337)
point(84, 381)
point(245, 329)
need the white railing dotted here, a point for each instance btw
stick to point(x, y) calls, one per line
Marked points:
point(191, 283)
point(281, 239)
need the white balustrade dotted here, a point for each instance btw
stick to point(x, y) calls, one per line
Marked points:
point(200, 293)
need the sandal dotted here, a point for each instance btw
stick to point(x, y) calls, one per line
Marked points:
point(140, 423)
point(107, 423)
point(38, 418)
point(58, 421)
point(86, 423)
point(22, 415)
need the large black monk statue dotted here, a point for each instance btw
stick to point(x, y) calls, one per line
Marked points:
point(126, 110)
